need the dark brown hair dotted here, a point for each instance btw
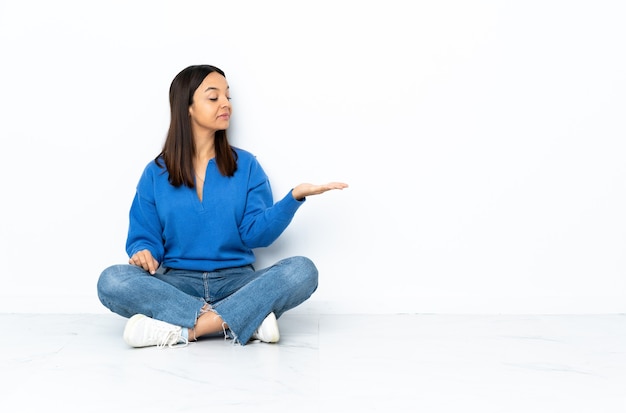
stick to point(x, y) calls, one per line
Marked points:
point(179, 148)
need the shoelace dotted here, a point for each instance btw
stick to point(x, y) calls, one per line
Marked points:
point(174, 343)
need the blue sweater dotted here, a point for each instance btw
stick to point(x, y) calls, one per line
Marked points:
point(236, 214)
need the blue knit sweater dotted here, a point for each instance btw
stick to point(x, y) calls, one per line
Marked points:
point(236, 214)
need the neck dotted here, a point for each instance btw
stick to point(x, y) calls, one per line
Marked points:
point(205, 150)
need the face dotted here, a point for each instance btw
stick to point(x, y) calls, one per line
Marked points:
point(210, 110)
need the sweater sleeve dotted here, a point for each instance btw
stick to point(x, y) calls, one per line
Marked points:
point(264, 221)
point(144, 230)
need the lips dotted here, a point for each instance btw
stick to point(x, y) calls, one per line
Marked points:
point(224, 116)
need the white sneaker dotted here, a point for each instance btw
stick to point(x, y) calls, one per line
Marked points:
point(268, 330)
point(143, 331)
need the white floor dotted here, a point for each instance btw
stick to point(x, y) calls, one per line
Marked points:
point(325, 363)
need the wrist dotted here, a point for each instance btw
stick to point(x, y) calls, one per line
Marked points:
point(297, 196)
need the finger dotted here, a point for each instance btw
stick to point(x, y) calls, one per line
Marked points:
point(337, 185)
point(152, 266)
point(139, 262)
point(134, 261)
point(331, 186)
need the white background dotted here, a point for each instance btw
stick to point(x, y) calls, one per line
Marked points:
point(483, 141)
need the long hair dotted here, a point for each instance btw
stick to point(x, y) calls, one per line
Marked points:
point(179, 148)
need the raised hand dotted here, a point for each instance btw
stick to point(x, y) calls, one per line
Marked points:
point(305, 189)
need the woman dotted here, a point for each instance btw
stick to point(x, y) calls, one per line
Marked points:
point(200, 208)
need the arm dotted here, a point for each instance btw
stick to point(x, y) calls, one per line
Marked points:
point(266, 222)
point(263, 220)
point(144, 242)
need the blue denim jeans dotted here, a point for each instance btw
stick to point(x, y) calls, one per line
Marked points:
point(241, 296)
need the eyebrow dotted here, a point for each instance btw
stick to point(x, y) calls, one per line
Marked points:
point(215, 88)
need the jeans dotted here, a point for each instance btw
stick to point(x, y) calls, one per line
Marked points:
point(241, 296)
